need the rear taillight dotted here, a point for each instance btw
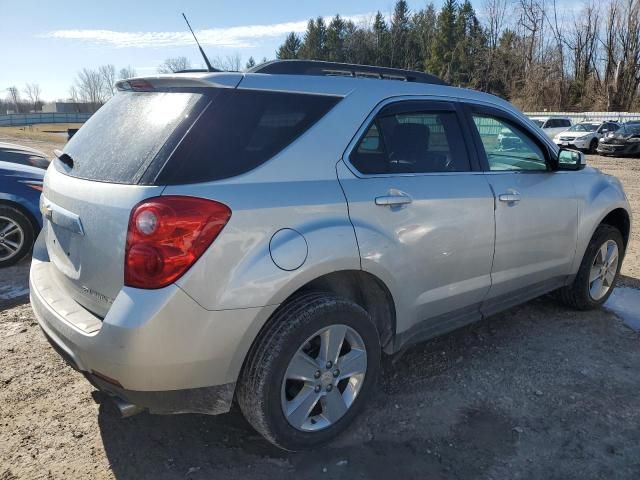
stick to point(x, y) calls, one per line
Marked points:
point(167, 235)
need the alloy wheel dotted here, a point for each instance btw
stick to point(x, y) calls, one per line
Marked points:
point(11, 238)
point(603, 270)
point(323, 378)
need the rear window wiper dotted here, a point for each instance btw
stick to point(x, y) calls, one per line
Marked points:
point(64, 158)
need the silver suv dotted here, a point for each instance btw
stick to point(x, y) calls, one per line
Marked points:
point(265, 237)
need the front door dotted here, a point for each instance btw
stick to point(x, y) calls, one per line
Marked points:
point(423, 215)
point(536, 211)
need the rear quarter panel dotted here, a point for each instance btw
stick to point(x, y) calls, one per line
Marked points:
point(297, 189)
point(237, 271)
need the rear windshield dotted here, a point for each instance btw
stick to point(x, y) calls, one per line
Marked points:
point(240, 130)
point(122, 138)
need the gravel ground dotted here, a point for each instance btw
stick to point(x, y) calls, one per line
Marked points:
point(538, 392)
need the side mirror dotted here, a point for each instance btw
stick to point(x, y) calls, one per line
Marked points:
point(571, 160)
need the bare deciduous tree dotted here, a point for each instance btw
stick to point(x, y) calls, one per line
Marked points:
point(90, 88)
point(33, 92)
point(127, 72)
point(230, 63)
point(174, 64)
point(14, 97)
point(108, 74)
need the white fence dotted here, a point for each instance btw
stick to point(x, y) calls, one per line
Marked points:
point(19, 119)
point(576, 117)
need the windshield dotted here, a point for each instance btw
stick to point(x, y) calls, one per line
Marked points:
point(584, 127)
point(538, 122)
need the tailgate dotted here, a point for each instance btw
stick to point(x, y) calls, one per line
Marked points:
point(86, 228)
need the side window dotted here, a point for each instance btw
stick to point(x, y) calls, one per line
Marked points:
point(508, 147)
point(420, 142)
point(565, 123)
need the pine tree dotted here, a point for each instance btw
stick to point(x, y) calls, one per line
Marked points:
point(400, 34)
point(335, 40)
point(426, 33)
point(470, 43)
point(314, 45)
point(250, 64)
point(381, 41)
point(290, 48)
point(444, 42)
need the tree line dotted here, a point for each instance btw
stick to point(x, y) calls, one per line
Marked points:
point(527, 51)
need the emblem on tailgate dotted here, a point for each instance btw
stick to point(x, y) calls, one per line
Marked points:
point(98, 296)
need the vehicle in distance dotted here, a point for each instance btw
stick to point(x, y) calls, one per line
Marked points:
point(267, 236)
point(623, 142)
point(552, 125)
point(20, 219)
point(12, 153)
point(585, 135)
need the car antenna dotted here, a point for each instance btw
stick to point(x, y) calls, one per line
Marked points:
point(204, 55)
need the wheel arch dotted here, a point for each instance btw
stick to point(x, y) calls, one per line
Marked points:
point(361, 287)
point(364, 289)
point(620, 219)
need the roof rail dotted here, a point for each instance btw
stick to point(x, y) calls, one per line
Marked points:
point(317, 67)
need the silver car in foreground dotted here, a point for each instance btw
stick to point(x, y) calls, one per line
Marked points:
point(265, 237)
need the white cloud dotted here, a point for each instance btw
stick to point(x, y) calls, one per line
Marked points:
point(234, 37)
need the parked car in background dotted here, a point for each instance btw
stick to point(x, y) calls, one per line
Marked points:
point(552, 125)
point(10, 152)
point(623, 142)
point(265, 236)
point(585, 135)
point(20, 218)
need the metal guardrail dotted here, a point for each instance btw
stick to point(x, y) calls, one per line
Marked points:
point(576, 117)
point(20, 119)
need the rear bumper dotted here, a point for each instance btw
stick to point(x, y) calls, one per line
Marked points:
point(162, 350)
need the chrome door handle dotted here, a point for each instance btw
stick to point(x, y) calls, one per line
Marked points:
point(509, 197)
point(393, 200)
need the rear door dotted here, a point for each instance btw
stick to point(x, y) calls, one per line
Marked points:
point(422, 212)
point(536, 210)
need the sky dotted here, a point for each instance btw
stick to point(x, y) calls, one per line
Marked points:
point(48, 42)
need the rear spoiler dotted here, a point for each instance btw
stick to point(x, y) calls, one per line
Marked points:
point(181, 80)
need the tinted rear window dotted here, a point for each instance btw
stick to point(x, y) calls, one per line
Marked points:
point(240, 130)
point(122, 138)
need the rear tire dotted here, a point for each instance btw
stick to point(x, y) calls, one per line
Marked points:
point(268, 396)
point(593, 145)
point(583, 293)
point(16, 235)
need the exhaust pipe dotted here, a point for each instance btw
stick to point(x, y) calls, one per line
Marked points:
point(127, 409)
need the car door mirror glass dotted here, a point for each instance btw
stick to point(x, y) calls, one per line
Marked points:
point(570, 159)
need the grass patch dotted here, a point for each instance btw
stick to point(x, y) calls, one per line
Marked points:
point(48, 132)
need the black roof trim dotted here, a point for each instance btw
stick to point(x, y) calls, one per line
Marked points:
point(316, 67)
point(195, 70)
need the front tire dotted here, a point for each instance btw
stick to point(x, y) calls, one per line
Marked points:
point(310, 372)
point(16, 235)
point(598, 271)
point(593, 145)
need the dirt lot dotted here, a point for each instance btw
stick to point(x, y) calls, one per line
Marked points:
point(539, 392)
